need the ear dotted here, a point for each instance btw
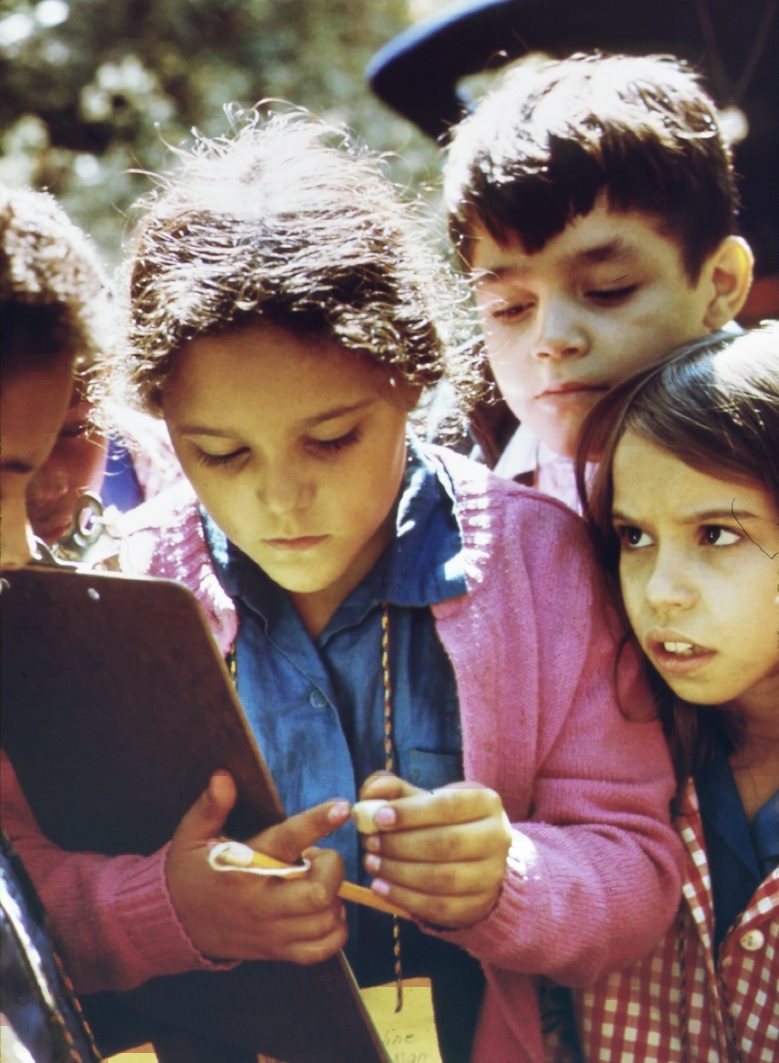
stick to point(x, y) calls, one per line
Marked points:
point(728, 275)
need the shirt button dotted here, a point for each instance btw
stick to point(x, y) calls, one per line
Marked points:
point(752, 940)
point(317, 699)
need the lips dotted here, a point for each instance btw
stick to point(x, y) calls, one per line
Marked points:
point(674, 654)
point(303, 542)
point(571, 387)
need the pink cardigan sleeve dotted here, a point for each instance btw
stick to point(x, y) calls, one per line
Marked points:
point(593, 875)
point(111, 917)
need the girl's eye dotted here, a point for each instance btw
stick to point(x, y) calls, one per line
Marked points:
point(715, 535)
point(510, 313)
point(218, 459)
point(332, 446)
point(77, 431)
point(632, 538)
point(612, 296)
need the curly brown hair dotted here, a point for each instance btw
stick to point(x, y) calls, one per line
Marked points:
point(285, 219)
point(54, 296)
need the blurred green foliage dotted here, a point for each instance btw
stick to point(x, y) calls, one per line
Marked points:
point(92, 90)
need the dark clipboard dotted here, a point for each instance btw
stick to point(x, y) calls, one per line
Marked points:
point(117, 707)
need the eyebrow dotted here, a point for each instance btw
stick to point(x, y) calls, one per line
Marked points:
point(614, 250)
point(703, 517)
point(617, 249)
point(307, 422)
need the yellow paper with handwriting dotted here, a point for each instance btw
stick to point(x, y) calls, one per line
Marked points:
point(409, 1035)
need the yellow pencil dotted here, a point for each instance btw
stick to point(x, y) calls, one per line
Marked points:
point(235, 856)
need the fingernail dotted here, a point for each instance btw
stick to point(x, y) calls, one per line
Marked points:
point(338, 811)
point(380, 886)
point(372, 865)
point(371, 843)
point(385, 817)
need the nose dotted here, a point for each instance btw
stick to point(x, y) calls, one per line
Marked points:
point(284, 489)
point(559, 333)
point(50, 484)
point(670, 586)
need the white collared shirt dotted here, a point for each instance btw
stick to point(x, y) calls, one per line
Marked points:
point(555, 475)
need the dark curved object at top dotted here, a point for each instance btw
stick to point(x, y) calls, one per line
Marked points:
point(734, 44)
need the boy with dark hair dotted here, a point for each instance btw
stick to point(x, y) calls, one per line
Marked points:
point(593, 201)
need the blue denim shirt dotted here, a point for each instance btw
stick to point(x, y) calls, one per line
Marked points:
point(316, 706)
point(120, 484)
point(740, 854)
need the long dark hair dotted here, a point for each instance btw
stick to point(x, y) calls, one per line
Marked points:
point(714, 405)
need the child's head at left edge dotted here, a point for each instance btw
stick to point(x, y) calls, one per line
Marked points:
point(52, 316)
point(285, 315)
point(684, 509)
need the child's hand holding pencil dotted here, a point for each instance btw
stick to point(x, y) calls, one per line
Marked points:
point(235, 856)
point(299, 919)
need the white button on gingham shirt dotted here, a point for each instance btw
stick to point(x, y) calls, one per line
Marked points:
point(680, 1006)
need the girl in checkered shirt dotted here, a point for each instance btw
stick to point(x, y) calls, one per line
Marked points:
point(685, 514)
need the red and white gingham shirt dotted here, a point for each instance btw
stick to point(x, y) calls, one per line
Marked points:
point(679, 1005)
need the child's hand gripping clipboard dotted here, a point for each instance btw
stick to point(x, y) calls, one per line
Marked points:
point(117, 708)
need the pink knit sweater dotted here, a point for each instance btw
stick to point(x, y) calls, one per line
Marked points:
point(592, 879)
point(593, 872)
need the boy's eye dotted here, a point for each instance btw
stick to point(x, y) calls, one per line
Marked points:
point(632, 538)
point(612, 296)
point(715, 535)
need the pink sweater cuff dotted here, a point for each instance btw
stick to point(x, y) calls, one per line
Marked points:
point(154, 927)
point(148, 938)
